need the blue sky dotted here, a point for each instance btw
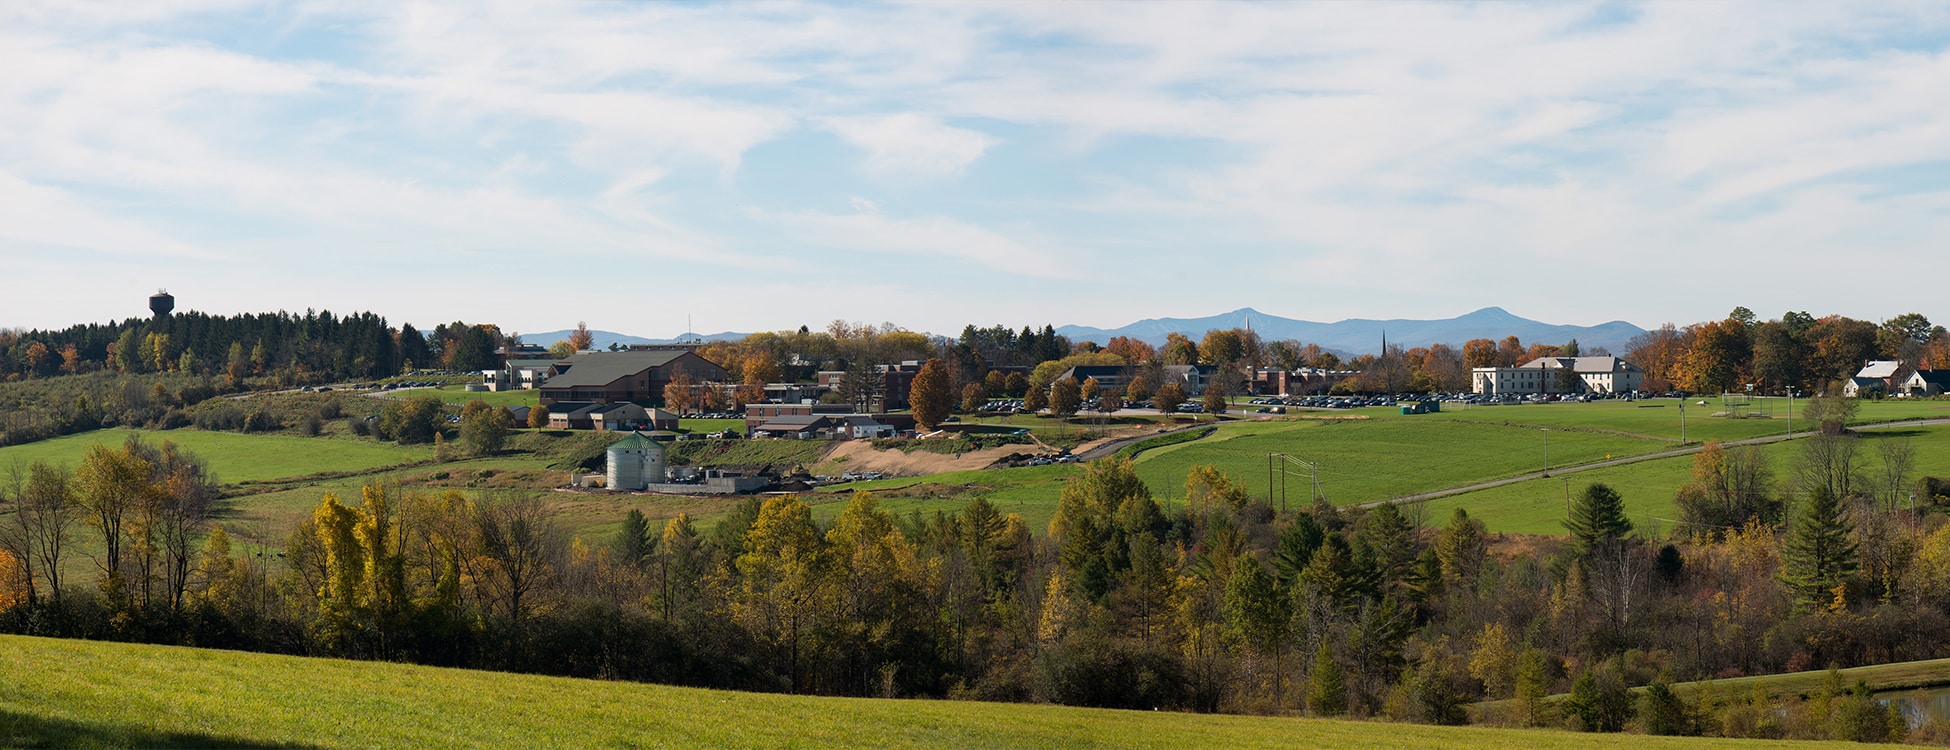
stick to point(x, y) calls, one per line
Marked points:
point(758, 166)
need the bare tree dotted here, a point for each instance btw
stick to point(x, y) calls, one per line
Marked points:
point(1830, 462)
point(14, 538)
point(179, 514)
point(45, 510)
point(520, 544)
point(1898, 460)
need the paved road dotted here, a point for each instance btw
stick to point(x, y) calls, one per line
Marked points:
point(1630, 460)
point(1112, 446)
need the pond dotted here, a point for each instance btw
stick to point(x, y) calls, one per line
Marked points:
point(1920, 705)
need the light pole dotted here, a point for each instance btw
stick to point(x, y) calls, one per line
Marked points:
point(1547, 450)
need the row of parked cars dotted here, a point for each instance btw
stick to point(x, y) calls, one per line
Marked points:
point(711, 415)
point(1352, 402)
point(1335, 402)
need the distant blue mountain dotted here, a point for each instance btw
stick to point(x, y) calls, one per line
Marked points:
point(605, 338)
point(1348, 337)
point(1363, 336)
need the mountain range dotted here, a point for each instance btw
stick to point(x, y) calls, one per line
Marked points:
point(1364, 336)
point(605, 338)
point(1353, 336)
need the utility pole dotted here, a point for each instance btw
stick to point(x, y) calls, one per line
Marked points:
point(1547, 451)
point(1682, 421)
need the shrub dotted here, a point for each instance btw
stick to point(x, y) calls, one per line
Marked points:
point(1599, 701)
point(1664, 712)
point(1859, 717)
point(173, 419)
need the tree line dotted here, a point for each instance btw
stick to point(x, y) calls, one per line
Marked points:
point(149, 372)
point(1795, 351)
point(294, 348)
point(1213, 601)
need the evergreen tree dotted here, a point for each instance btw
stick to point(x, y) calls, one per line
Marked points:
point(1461, 548)
point(1389, 537)
point(1326, 689)
point(634, 542)
point(1599, 701)
point(1597, 518)
point(1296, 546)
point(1332, 572)
point(1663, 712)
point(1258, 613)
point(1533, 684)
point(1817, 554)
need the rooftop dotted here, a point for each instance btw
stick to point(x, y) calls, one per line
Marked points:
point(603, 368)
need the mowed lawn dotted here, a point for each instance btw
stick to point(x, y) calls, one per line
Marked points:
point(1659, 418)
point(459, 395)
point(1537, 506)
point(235, 457)
point(58, 693)
point(1364, 460)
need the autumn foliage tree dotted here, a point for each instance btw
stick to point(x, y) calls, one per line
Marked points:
point(581, 339)
point(1064, 396)
point(1169, 397)
point(930, 396)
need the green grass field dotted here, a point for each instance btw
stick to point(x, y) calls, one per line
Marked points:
point(1377, 459)
point(459, 395)
point(1537, 506)
point(58, 693)
point(237, 457)
point(1365, 455)
point(1880, 677)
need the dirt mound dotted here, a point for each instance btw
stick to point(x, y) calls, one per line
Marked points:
point(861, 456)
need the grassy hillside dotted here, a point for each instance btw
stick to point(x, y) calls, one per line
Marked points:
point(236, 456)
point(1931, 673)
point(1537, 506)
point(56, 693)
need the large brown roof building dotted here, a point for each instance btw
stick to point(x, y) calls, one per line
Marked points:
point(606, 377)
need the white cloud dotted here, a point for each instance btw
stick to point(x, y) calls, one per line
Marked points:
point(38, 220)
point(1401, 158)
point(909, 145)
point(931, 236)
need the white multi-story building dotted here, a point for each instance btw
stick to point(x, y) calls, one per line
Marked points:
point(1542, 375)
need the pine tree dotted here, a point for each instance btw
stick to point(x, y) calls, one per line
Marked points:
point(1533, 684)
point(1817, 554)
point(1258, 613)
point(1326, 689)
point(1461, 548)
point(1391, 539)
point(1597, 518)
point(1296, 546)
point(634, 542)
point(1663, 712)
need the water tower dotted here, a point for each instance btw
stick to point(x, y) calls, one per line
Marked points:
point(161, 303)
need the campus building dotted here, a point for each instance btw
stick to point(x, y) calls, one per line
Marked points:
point(1547, 375)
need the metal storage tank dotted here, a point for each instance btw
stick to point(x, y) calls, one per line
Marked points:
point(161, 303)
point(635, 463)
